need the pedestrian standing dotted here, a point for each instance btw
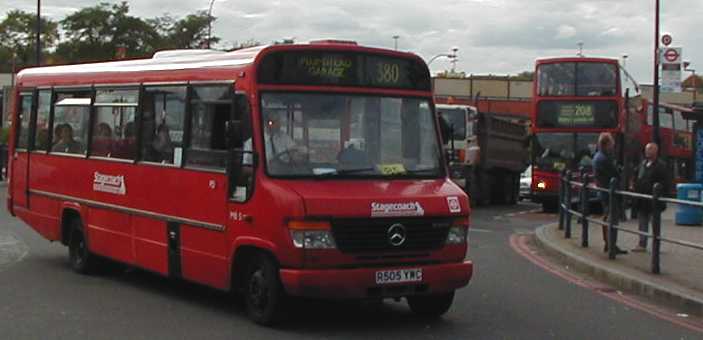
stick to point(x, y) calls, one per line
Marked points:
point(652, 170)
point(605, 170)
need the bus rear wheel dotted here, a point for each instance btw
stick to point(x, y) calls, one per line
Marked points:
point(431, 306)
point(82, 260)
point(263, 294)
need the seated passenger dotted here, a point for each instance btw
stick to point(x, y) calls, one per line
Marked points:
point(162, 145)
point(64, 140)
point(102, 141)
point(126, 148)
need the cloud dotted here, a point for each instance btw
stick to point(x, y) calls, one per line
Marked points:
point(493, 36)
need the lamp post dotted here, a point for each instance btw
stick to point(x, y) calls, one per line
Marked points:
point(38, 44)
point(209, 23)
point(395, 38)
point(451, 56)
point(655, 95)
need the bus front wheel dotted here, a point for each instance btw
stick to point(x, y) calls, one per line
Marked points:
point(263, 293)
point(82, 260)
point(432, 306)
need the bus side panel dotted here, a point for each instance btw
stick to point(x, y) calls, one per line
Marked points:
point(204, 256)
point(110, 234)
point(150, 244)
point(45, 216)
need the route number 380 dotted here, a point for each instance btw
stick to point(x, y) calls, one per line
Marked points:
point(387, 73)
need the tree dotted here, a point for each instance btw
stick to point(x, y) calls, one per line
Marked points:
point(524, 75)
point(96, 33)
point(192, 31)
point(18, 35)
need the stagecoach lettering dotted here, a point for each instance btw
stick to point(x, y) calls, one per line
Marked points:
point(109, 183)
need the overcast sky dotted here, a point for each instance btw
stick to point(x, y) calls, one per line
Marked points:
point(493, 36)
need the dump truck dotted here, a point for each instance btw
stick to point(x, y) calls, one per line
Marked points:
point(486, 153)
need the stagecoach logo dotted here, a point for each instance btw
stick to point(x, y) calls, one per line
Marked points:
point(396, 209)
point(110, 184)
point(454, 206)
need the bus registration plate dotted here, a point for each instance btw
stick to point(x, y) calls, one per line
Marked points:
point(398, 276)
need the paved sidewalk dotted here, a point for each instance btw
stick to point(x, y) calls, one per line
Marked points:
point(680, 283)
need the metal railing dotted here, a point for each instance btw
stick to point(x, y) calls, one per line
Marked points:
point(614, 213)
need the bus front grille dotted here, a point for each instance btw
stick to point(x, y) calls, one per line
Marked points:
point(375, 235)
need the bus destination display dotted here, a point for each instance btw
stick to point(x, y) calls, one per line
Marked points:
point(343, 69)
point(581, 114)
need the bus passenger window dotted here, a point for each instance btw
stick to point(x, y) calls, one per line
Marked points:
point(211, 107)
point(71, 117)
point(25, 111)
point(113, 124)
point(163, 118)
point(41, 136)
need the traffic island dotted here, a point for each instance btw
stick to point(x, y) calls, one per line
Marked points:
point(680, 284)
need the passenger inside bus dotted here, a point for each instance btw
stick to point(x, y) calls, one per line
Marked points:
point(162, 145)
point(126, 147)
point(102, 145)
point(65, 141)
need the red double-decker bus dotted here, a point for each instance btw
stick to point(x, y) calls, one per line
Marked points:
point(675, 131)
point(306, 170)
point(575, 99)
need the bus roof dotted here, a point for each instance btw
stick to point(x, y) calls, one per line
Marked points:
point(178, 60)
point(575, 59)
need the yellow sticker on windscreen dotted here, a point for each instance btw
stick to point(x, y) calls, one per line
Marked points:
point(391, 169)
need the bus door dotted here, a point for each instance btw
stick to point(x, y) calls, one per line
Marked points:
point(20, 157)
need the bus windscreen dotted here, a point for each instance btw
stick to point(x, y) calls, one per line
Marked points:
point(577, 114)
point(343, 69)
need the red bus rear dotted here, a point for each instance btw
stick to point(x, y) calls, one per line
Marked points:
point(309, 170)
point(575, 99)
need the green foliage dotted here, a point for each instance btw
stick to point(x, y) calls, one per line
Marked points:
point(525, 75)
point(96, 33)
point(17, 36)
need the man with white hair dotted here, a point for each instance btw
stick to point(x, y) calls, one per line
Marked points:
point(652, 170)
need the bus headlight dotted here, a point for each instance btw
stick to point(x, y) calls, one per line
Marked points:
point(311, 234)
point(458, 232)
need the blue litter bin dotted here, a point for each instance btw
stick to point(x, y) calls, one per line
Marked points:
point(686, 214)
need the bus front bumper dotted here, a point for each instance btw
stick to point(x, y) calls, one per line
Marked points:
point(361, 283)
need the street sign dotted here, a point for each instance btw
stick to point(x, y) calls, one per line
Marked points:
point(671, 69)
point(672, 55)
point(666, 39)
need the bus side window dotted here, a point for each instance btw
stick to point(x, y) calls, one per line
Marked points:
point(211, 108)
point(25, 112)
point(71, 119)
point(41, 136)
point(163, 121)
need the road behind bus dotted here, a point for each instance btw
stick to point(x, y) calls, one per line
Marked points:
point(509, 298)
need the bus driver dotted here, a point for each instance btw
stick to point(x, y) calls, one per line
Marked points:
point(280, 147)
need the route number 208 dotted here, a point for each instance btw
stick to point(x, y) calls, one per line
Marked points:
point(387, 73)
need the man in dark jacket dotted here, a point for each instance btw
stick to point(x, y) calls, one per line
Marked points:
point(604, 169)
point(652, 170)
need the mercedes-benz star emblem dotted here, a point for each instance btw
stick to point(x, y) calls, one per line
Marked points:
point(397, 235)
